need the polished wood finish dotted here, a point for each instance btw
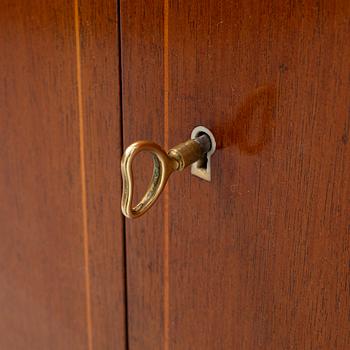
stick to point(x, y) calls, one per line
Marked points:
point(142, 86)
point(61, 251)
point(100, 85)
point(259, 257)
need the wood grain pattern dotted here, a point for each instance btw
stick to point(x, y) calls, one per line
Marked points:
point(258, 258)
point(100, 81)
point(143, 110)
point(61, 252)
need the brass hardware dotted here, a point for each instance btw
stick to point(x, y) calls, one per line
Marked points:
point(202, 167)
point(164, 164)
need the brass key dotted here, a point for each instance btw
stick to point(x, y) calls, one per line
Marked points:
point(164, 164)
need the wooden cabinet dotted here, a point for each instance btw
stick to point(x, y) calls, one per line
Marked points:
point(258, 258)
point(61, 250)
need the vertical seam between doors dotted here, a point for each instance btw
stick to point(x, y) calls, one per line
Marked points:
point(121, 127)
point(166, 190)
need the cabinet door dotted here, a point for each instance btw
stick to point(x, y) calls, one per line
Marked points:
point(259, 257)
point(61, 243)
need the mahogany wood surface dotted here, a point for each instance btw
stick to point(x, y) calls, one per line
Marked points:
point(142, 87)
point(61, 250)
point(259, 257)
point(103, 146)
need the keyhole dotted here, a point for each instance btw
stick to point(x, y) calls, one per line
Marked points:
point(202, 168)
